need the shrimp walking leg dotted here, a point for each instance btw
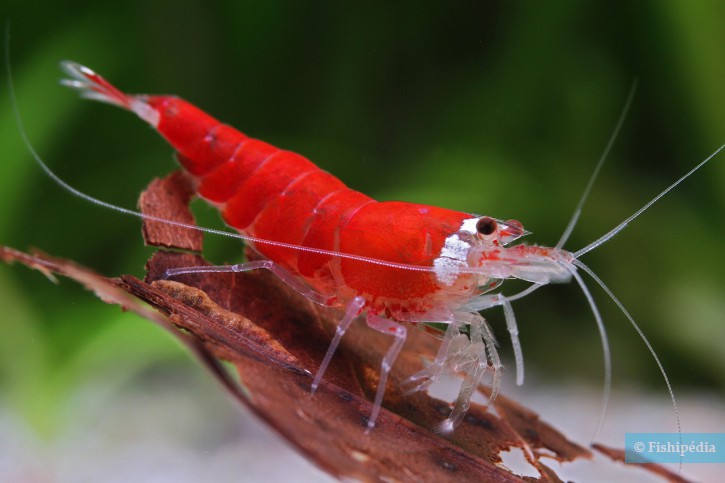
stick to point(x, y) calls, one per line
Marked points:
point(492, 300)
point(422, 379)
point(276, 269)
point(446, 360)
point(474, 361)
point(398, 331)
point(352, 310)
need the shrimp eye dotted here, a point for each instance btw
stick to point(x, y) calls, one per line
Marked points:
point(486, 226)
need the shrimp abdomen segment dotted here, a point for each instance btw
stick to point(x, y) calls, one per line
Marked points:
point(328, 219)
point(203, 142)
point(288, 217)
point(224, 181)
point(264, 185)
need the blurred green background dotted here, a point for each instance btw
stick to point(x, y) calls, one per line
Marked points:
point(492, 107)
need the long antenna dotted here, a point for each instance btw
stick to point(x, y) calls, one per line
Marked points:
point(607, 236)
point(641, 335)
point(606, 353)
point(622, 116)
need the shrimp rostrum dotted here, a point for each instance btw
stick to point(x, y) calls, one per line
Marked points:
point(394, 263)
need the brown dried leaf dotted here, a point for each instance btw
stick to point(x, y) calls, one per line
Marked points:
point(276, 339)
point(327, 426)
point(173, 194)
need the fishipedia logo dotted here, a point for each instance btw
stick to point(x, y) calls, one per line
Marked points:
point(674, 447)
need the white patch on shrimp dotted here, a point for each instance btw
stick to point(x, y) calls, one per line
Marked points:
point(145, 112)
point(469, 226)
point(454, 254)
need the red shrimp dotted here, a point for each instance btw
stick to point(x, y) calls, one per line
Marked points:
point(398, 263)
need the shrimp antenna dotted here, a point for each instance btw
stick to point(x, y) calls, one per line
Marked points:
point(609, 235)
point(600, 163)
point(605, 349)
point(641, 335)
